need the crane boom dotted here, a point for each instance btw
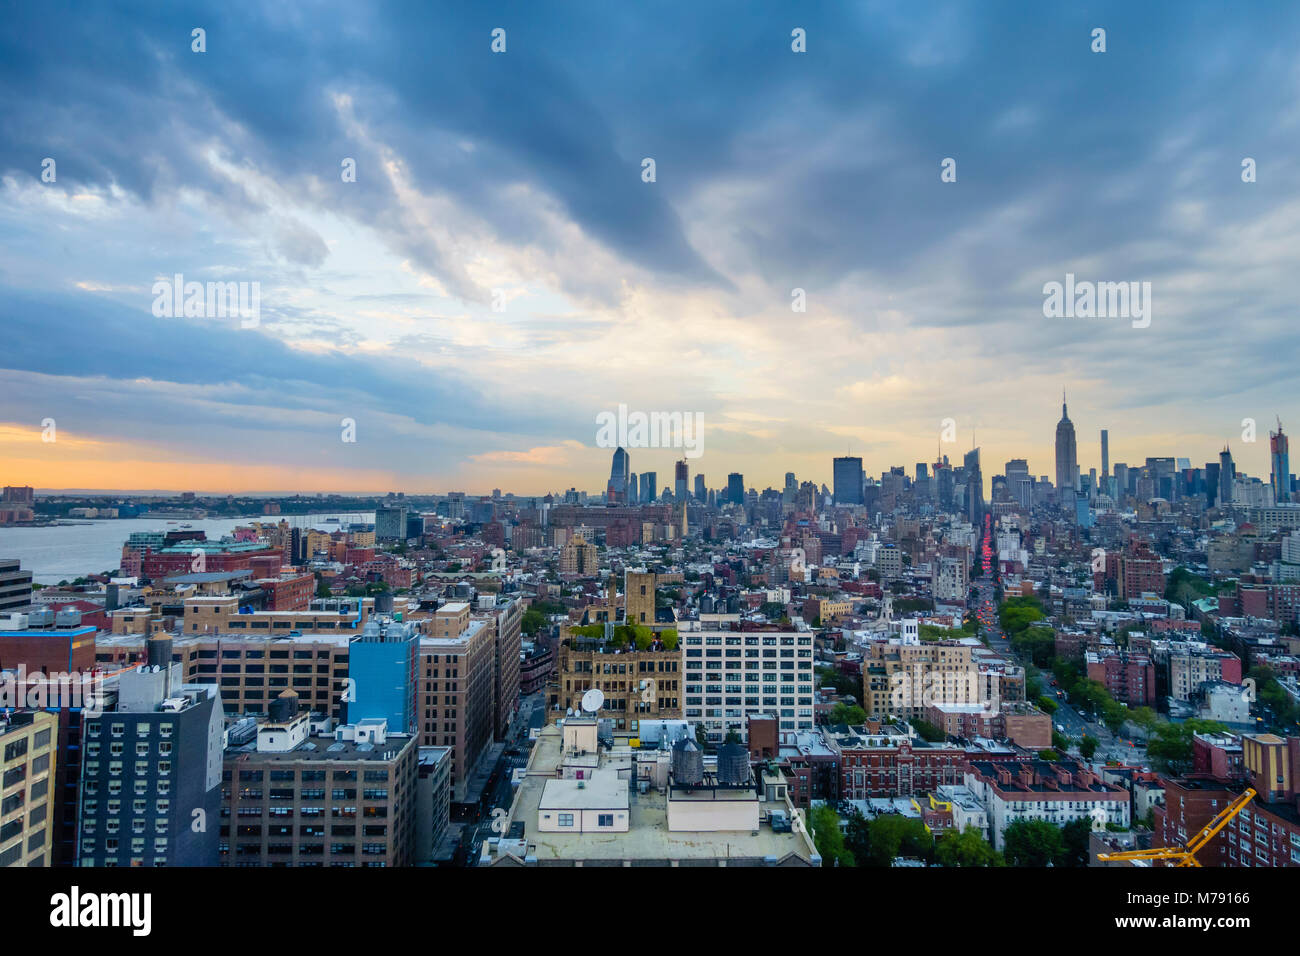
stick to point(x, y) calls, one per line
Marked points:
point(1185, 856)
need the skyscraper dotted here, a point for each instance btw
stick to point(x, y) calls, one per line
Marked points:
point(618, 475)
point(680, 475)
point(736, 488)
point(846, 475)
point(649, 486)
point(1227, 472)
point(974, 487)
point(1105, 454)
point(633, 494)
point(1211, 483)
point(701, 493)
point(1067, 453)
point(1278, 447)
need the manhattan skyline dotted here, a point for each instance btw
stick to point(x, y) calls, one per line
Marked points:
point(514, 180)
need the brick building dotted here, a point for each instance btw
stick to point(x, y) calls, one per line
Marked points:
point(293, 799)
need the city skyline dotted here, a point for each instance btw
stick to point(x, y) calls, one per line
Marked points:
point(664, 461)
point(817, 173)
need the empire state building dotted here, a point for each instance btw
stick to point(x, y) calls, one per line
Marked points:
point(1067, 454)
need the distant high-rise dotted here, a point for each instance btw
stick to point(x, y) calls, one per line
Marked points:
point(618, 475)
point(649, 486)
point(701, 492)
point(736, 488)
point(633, 495)
point(1067, 453)
point(681, 473)
point(390, 523)
point(1227, 472)
point(1278, 447)
point(974, 486)
point(846, 475)
point(789, 480)
point(1105, 453)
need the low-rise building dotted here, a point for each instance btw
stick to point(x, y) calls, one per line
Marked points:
point(1058, 792)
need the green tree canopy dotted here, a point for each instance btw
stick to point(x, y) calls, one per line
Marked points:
point(828, 838)
point(850, 714)
point(894, 835)
point(967, 848)
point(1033, 843)
point(1170, 746)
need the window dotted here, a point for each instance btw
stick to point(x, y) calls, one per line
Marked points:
point(605, 820)
point(566, 819)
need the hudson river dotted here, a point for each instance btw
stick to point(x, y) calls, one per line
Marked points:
point(66, 552)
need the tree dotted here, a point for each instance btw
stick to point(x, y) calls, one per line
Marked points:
point(1038, 644)
point(894, 835)
point(532, 622)
point(1088, 746)
point(668, 637)
point(1017, 613)
point(827, 837)
point(857, 837)
point(1047, 704)
point(928, 731)
point(1143, 717)
point(1170, 746)
point(967, 848)
point(1033, 681)
point(1048, 754)
point(1075, 836)
point(843, 713)
point(1033, 843)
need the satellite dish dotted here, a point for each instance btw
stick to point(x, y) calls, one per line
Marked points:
point(593, 700)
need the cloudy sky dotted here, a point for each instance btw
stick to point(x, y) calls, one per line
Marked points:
point(518, 175)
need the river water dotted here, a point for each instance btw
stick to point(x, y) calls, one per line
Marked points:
point(64, 552)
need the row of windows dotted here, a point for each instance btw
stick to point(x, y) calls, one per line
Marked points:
point(117, 747)
point(753, 641)
point(142, 729)
point(162, 788)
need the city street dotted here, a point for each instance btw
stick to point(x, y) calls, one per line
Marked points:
point(1071, 722)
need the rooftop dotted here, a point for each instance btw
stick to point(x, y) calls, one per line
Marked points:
point(317, 749)
point(648, 837)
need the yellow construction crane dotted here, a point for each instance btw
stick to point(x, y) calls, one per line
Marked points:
point(1185, 856)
